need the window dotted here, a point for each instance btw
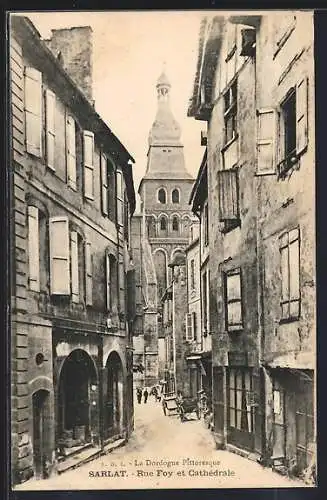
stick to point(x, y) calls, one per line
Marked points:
point(175, 223)
point(192, 274)
point(71, 151)
point(152, 227)
point(50, 110)
point(33, 248)
point(126, 217)
point(88, 274)
point(293, 126)
point(59, 256)
point(33, 111)
point(289, 246)
point(163, 223)
point(120, 198)
point(162, 196)
point(206, 225)
point(111, 190)
point(74, 266)
point(230, 113)
point(88, 148)
point(228, 198)
point(175, 196)
point(104, 185)
point(111, 283)
point(234, 319)
point(205, 303)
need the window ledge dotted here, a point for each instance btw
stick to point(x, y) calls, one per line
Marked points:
point(235, 329)
point(229, 143)
point(264, 174)
point(291, 319)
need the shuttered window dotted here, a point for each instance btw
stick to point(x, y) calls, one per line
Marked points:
point(108, 281)
point(266, 127)
point(33, 248)
point(88, 274)
point(50, 112)
point(74, 266)
point(120, 198)
point(289, 246)
point(71, 151)
point(228, 195)
point(301, 115)
point(189, 329)
point(88, 149)
point(234, 320)
point(104, 184)
point(59, 256)
point(121, 284)
point(33, 111)
point(194, 329)
point(111, 191)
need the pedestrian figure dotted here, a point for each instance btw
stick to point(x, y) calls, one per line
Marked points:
point(145, 394)
point(139, 395)
point(154, 393)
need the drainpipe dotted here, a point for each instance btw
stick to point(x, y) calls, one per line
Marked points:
point(101, 398)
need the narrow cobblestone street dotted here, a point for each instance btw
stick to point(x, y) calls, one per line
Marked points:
point(159, 454)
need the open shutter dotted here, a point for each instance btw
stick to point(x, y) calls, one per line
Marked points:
point(33, 111)
point(194, 332)
point(301, 115)
point(88, 274)
point(104, 185)
point(88, 148)
point(189, 329)
point(107, 268)
point(59, 256)
point(228, 195)
point(120, 198)
point(33, 248)
point(74, 266)
point(121, 285)
point(71, 151)
point(50, 108)
point(266, 128)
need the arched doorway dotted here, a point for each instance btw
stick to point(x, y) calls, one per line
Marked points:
point(113, 386)
point(41, 432)
point(78, 400)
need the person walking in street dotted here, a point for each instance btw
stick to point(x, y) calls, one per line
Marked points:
point(145, 395)
point(139, 395)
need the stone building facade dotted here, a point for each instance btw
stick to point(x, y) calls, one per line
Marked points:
point(261, 164)
point(165, 214)
point(72, 280)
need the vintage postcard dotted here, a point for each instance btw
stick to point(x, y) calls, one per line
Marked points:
point(163, 275)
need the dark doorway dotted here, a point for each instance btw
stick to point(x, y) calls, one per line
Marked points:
point(41, 412)
point(77, 399)
point(113, 396)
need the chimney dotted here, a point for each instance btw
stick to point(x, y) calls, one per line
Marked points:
point(73, 47)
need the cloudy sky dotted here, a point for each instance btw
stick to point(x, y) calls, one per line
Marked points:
point(130, 49)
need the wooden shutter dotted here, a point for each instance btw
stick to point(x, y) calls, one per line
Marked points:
point(88, 274)
point(194, 332)
point(301, 115)
point(88, 148)
point(131, 292)
point(108, 288)
point(120, 199)
point(33, 111)
point(121, 285)
point(104, 184)
point(71, 151)
point(50, 110)
point(74, 266)
point(266, 128)
point(189, 329)
point(228, 195)
point(59, 256)
point(33, 248)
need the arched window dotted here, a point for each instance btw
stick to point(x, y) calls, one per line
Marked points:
point(175, 196)
point(163, 224)
point(175, 223)
point(162, 196)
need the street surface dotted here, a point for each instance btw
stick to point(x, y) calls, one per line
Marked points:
point(165, 453)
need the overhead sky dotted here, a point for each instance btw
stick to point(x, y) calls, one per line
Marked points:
point(130, 49)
